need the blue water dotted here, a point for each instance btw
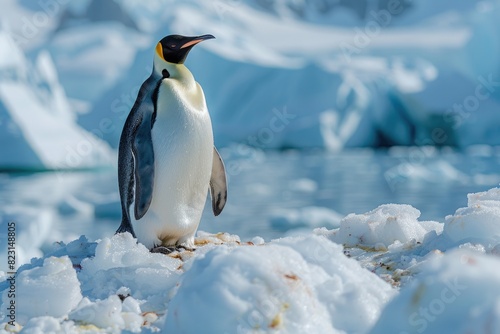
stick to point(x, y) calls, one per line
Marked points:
point(434, 181)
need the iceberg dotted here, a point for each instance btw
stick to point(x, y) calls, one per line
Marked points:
point(300, 74)
point(288, 74)
point(38, 129)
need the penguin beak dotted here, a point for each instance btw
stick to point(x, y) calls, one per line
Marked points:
point(191, 41)
point(175, 48)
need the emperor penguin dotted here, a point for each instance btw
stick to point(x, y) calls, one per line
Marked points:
point(167, 161)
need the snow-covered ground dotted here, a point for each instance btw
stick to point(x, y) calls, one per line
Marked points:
point(384, 271)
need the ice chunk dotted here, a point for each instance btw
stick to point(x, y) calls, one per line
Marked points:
point(455, 293)
point(104, 313)
point(479, 221)
point(37, 128)
point(122, 262)
point(50, 290)
point(484, 197)
point(294, 285)
point(383, 226)
point(42, 325)
point(122, 250)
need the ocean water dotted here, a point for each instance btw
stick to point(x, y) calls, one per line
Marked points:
point(263, 185)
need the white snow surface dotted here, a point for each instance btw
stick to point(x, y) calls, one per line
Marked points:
point(479, 220)
point(51, 289)
point(383, 226)
point(455, 293)
point(379, 272)
point(291, 285)
point(302, 284)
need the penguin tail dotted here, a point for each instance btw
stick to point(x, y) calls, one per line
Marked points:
point(125, 227)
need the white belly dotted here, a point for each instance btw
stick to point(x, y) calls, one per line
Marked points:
point(183, 147)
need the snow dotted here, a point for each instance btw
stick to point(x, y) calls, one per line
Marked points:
point(289, 284)
point(384, 226)
point(41, 325)
point(455, 293)
point(479, 221)
point(294, 285)
point(49, 290)
point(378, 272)
point(109, 314)
point(122, 266)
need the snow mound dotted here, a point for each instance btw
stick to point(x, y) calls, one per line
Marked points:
point(479, 221)
point(383, 226)
point(294, 285)
point(121, 262)
point(50, 290)
point(42, 325)
point(455, 293)
point(111, 314)
point(290, 285)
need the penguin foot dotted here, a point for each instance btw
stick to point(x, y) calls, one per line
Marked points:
point(163, 250)
point(168, 250)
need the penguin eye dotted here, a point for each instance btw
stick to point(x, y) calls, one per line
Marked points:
point(172, 46)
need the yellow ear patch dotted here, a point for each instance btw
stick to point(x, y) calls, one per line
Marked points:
point(159, 50)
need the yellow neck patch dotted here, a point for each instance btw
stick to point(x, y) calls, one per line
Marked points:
point(159, 50)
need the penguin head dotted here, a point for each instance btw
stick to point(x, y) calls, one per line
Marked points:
point(175, 48)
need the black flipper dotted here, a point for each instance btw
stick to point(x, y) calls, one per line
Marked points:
point(144, 161)
point(132, 167)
